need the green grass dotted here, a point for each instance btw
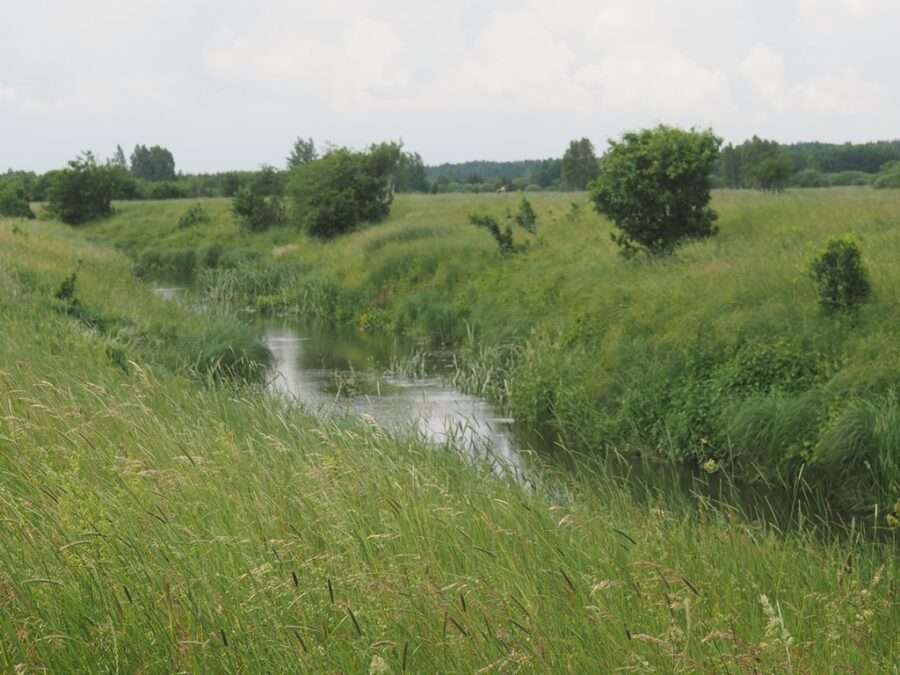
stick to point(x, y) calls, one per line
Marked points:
point(151, 523)
point(129, 321)
point(720, 352)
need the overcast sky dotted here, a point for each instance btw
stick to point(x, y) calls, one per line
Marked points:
point(230, 83)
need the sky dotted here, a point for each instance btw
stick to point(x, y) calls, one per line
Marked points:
point(229, 84)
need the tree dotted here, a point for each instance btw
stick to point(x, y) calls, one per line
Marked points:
point(268, 181)
point(303, 152)
point(410, 175)
point(153, 164)
point(772, 173)
point(14, 201)
point(840, 275)
point(655, 186)
point(334, 194)
point(118, 159)
point(579, 165)
point(256, 211)
point(81, 192)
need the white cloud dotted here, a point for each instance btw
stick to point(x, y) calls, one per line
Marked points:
point(511, 78)
point(765, 71)
point(842, 92)
point(830, 16)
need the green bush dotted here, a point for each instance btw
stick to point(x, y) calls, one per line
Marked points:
point(343, 189)
point(526, 217)
point(840, 275)
point(13, 202)
point(889, 177)
point(195, 215)
point(809, 178)
point(655, 186)
point(82, 192)
point(257, 212)
point(849, 178)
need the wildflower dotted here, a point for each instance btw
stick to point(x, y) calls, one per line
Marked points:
point(710, 466)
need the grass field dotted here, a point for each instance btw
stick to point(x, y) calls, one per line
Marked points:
point(721, 352)
point(155, 522)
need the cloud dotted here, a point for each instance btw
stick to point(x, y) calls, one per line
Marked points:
point(765, 71)
point(511, 78)
point(830, 16)
point(841, 92)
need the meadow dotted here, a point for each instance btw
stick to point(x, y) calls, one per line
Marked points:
point(718, 354)
point(156, 518)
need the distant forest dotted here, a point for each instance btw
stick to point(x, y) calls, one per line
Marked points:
point(754, 164)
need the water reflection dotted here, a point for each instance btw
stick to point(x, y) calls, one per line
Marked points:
point(333, 373)
point(168, 292)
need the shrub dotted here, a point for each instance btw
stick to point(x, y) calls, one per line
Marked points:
point(13, 202)
point(889, 177)
point(809, 178)
point(164, 191)
point(849, 178)
point(193, 216)
point(503, 237)
point(343, 189)
point(526, 217)
point(81, 192)
point(255, 211)
point(840, 275)
point(655, 186)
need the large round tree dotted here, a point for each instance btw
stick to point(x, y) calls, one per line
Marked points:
point(655, 186)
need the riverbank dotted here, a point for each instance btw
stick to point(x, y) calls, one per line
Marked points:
point(721, 353)
point(160, 522)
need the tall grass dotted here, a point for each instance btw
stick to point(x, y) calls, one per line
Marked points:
point(105, 300)
point(154, 524)
point(720, 352)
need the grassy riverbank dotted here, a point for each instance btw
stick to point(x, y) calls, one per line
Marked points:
point(154, 523)
point(719, 353)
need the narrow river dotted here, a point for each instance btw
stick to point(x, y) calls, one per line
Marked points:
point(344, 372)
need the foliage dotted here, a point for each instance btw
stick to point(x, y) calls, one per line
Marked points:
point(154, 164)
point(756, 163)
point(82, 192)
point(195, 215)
point(526, 217)
point(809, 178)
point(14, 201)
point(343, 189)
point(459, 569)
point(504, 237)
point(269, 182)
point(724, 355)
point(579, 166)
point(889, 177)
point(840, 275)
point(255, 211)
point(302, 152)
point(410, 174)
point(772, 173)
point(118, 159)
point(655, 186)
